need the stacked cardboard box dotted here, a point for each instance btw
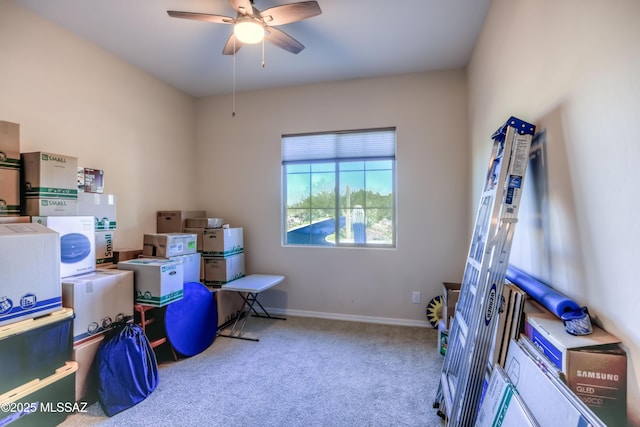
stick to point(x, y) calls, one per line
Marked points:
point(77, 242)
point(102, 207)
point(9, 169)
point(49, 184)
point(223, 255)
point(30, 265)
point(157, 282)
point(99, 300)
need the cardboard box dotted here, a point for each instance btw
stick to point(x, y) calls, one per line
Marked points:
point(222, 242)
point(229, 305)
point(168, 244)
point(100, 206)
point(191, 265)
point(15, 219)
point(218, 271)
point(199, 235)
point(126, 254)
point(86, 380)
point(90, 180)
point(502, 405)
point(9, 192)
point(77, 242)
point(49, 184)
point(49, 207)
point(594, 365)
point(98, 300)
point(204, 222)
point(104, 248)
point(30, 265)
point(175, 221)
point(548, 398)
point(9, 137)
point(450, 295)
point(157, 282)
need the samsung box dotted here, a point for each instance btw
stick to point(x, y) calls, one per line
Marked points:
point(49, 184)
point(157, 282)
point(77, 242)
point(222, 242)
point(104, 248)
point(218, 271)
point(175, 221)
point(100, 206)
point(9, 191)
point(30, 266)
point(34, 348)
point(44, 402)
point(98, 299)
point(594, 365)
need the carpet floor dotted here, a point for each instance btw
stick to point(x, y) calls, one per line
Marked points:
point(303, 372)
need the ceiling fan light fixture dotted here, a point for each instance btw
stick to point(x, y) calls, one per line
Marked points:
point(248, 30)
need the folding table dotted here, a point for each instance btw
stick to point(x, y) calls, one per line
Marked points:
point(248, 288)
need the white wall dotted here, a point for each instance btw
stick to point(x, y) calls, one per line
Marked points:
point(240, 180)
point(573, 68)
point(72, 98)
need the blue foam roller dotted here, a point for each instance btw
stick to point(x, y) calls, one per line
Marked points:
point(549, 298)
point(74, 247)
point(191, 324)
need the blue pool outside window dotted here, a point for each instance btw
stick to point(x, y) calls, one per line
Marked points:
point(339, 188)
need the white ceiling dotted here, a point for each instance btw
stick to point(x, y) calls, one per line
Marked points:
point(350, 39)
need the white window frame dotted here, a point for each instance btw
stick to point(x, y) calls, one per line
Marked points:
point(340, 148)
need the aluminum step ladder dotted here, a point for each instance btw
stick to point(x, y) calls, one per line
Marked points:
point(470, 339)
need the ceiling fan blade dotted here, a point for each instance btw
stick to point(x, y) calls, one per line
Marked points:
point(243, 7)
point(229, 45)
point(293, 12)
point(283, 40)
point(218, 19)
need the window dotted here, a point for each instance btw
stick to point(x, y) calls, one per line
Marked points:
point(339, 188)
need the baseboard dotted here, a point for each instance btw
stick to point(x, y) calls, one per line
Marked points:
point(350, 317)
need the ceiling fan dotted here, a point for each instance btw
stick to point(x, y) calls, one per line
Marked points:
point(252, 26)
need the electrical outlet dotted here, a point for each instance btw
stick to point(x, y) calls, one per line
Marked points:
point(416, 298)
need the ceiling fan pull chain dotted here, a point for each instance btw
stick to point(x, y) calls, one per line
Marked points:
point(233, 113)
point(263, 53)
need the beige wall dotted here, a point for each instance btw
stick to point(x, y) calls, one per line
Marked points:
point(240, 180)
point(72, 98)
point(161, 149)
point(573, 68)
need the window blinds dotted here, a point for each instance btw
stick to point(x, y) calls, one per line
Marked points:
point(363, 144)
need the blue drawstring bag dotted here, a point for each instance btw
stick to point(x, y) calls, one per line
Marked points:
point(126, 367)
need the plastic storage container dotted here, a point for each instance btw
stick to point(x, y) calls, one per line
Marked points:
point(34, 348)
